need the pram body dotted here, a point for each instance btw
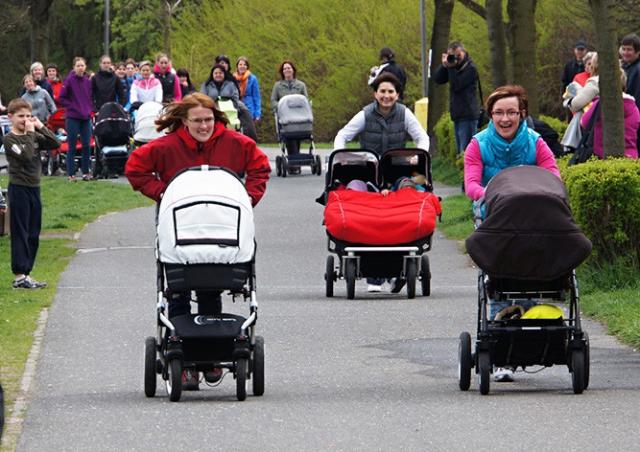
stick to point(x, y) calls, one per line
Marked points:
point(205, 241)
point(294, 121)
point(527, 247)
point(387, 253)
point(145, 123)
point(113, 134)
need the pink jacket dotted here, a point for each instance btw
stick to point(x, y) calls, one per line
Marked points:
point(473, 166)
point(631, 124)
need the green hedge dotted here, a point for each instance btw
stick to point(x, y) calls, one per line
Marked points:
point(557, 124)
point(605, 198)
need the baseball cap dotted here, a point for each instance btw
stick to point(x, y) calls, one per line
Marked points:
point(580, 44)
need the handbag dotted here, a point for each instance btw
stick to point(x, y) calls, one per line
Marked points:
point(483, 119)
point(584, 151)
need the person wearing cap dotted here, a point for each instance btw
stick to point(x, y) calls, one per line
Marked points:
point(575, 65)
point(388, 64)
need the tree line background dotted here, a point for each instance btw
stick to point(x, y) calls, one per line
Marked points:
point(333, 43)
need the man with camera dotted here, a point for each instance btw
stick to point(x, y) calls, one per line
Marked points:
point(464, 108)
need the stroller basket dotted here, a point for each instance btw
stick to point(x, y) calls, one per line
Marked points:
point(207, 276)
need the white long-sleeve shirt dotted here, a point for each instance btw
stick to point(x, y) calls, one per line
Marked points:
point(357, 123)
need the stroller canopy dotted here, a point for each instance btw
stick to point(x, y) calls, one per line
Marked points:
point(113, 127)
point(145, 126)
point(529, 232)
point(205, 217)
point(294, 109)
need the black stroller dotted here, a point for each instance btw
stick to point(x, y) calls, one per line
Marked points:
point(294, 121)
point(527, 248)
point(360, 258)
point(113, 134)
point(205, 241)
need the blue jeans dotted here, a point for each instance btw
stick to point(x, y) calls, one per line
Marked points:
point(77, 127)
point(464, 130)
point(496, 306)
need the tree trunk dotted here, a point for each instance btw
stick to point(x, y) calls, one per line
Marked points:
point(166, 32)
point(39, 18)
point(611, 110)
point(497, 43)
point(439, 42)
point(522, 31)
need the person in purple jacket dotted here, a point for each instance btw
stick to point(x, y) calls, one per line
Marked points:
point(76, 97)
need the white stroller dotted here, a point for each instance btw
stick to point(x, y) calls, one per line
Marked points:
point(205, 241)
point(145, 123)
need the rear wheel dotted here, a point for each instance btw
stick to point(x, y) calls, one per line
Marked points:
point(329, 277)
point(257, 378)
point(425, 275)
point(464, 361)
point(174, 380)
point(278, 166)
point(578, 367)
point(350, 277)
point(150, 366)
point(241, 378)
point(285, 166)
point(318, 165)
point(587, 359)
point(484, 369)
point(410, 275)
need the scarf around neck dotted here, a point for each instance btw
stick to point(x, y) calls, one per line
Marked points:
point(242, 81)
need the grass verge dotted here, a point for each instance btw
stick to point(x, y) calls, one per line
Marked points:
point(67, 208)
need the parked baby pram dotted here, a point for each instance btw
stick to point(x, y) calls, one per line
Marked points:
point(144, 127)
point(294, 122)
point(52, 159)
point(113, 140)
point(375, 236)
point(527, 248)
point(205, 241)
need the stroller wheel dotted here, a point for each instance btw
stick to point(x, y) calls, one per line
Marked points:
point(410, 276)
point(579, 369)
point(329, 277)
point(285, 166)
point(241, 379)
point(174, 380)
point(150, 367)
point(587, 359)
point(318, 165)
point(484, 369)
point(258, 367)
point(464, 361)
point(425, 275)
point(350, 278)
point(278, 166)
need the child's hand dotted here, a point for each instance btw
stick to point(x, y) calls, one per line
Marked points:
point(384, 192)
point(37, 123)
point(29, 125)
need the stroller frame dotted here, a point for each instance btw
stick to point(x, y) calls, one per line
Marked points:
point(356, 261)
point(525, 342)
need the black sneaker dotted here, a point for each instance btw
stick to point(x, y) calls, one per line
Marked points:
point(397, 284)
point(28, 283)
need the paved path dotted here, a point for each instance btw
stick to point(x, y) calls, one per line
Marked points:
point(375, 373)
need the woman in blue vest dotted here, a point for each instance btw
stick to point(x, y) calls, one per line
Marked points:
point(383, 125)
point(506, 142)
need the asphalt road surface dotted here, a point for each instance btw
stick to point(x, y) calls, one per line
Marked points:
point(375, 373)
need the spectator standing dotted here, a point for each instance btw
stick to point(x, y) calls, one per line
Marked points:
point(121, 73)
point(575, 65)
point(630, 53)
point(458, 70)
point(170, 84)
point(147, 88)
point(76, 98)
point(244, 115)
point(186, 86)
point(37, 71)
point(388, 64)
point(106, 86)
point(249, 87)
point(42, 105)
point(581, 78)
point(591, 89)
point(22, 146)
point(56, 120)
point(132, 71)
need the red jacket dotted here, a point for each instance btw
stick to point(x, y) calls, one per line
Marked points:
point(151, 167)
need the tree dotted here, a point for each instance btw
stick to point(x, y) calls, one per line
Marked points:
point(439, 41)
point(497, 43)
point(39, 19)
point(611, 110)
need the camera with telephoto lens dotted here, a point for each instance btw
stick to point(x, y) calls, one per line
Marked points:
point(452, 59)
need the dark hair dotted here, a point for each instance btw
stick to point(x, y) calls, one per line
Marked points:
point(53, 66)
point(18, 104)
point(182, 72)
point(386, 77)
point(386, 52)
point(224, 58)
point(293, 66)
point(503, 92)
point(216, 66)
point(455, 45)
point(173, 114)
point(632, 39)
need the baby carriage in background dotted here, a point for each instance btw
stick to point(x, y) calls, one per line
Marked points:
point(368, 244)
point(527, 248)
point(205, 241)
point(5, 128)
point(231, 112)
point(144, 126)
point(112, 132)
point(294, 121)
point(53, 159)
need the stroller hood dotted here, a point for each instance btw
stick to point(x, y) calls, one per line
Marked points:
point(113, 127)
point(294, 109)
point(205, 217)
point(145, 125)
point(529, 232)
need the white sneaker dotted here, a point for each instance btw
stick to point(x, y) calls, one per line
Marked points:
point(374, 288)
point(503, 374)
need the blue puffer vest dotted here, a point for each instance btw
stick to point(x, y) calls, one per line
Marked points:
point(383, 133)
point(498, 154)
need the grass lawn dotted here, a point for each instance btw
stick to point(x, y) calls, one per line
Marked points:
point(67, 208)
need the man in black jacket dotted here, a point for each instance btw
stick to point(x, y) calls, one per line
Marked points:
point(630, 54)
point(462, 75)
point(575, 66)
point(106, 86)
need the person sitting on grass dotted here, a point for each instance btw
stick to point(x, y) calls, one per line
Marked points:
point(22, 147)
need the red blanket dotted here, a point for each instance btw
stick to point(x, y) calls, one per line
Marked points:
point(373, 219)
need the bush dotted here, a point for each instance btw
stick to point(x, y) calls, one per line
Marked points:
point(445, 138)
point(605, 198)
point(557, 124)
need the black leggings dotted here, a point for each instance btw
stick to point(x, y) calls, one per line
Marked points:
point(209, 303)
